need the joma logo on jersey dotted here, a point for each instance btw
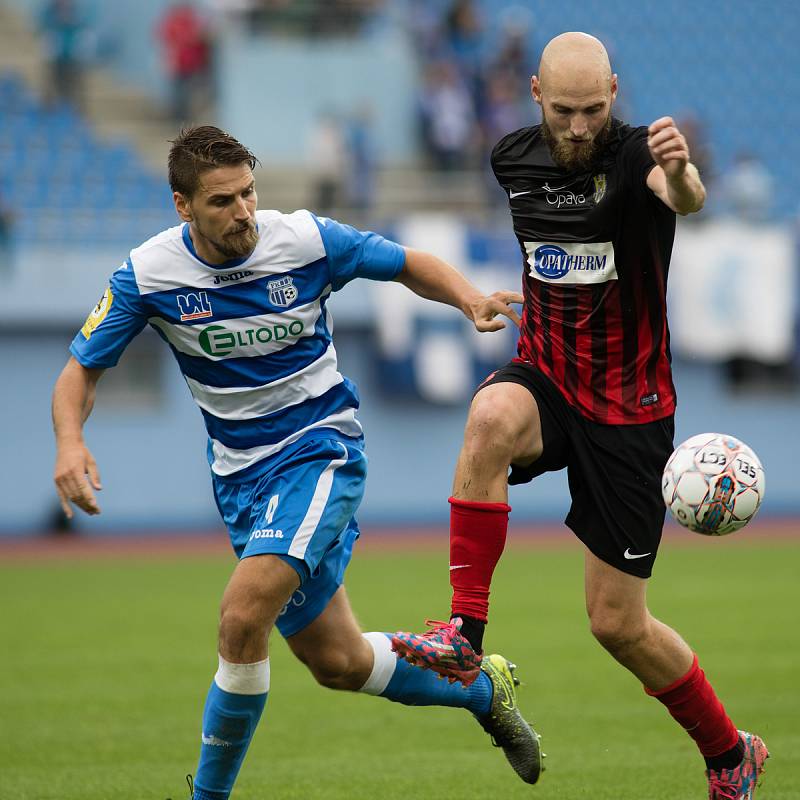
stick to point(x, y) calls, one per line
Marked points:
point(266, 533)
point(282, 292)
point(217, 340)
point(194, 305)
point(232, 276)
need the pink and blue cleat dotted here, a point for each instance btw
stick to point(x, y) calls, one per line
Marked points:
point(442, 649)
point(739, 783)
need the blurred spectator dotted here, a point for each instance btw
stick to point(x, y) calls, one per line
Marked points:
point(503, 112)
point(447, 117)
point(477, 85)
point(464, 35)
point(64, 24)
point(6, 226)
point(328, 162)
point(425, 30)
point(186, 47)
point(241, 14)
point(694, 130)
point(323, 18)
point(748, 188)
point(344, 17)
point(361, 159)
point(513, 57)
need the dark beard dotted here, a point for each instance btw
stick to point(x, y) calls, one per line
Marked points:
point(572, 157)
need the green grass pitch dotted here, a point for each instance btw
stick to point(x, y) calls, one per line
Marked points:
point(106, 664)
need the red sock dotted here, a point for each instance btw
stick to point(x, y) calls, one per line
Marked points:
point(692, 702)
point(477, 537)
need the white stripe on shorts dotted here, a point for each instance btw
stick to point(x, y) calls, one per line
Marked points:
point(316, 507)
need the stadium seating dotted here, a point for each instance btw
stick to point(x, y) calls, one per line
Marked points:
point(721, 72)
point(64, 185)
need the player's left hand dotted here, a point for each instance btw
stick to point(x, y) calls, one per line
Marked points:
point(486, 310)
point(668, 147)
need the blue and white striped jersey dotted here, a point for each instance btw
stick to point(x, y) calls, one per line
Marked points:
point(252, 337)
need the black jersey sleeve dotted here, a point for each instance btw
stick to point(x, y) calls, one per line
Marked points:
point(509, 158)
point(496, 160)
point(634, 160)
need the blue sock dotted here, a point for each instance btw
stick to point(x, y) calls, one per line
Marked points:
point(229, 721)
point(397, 680)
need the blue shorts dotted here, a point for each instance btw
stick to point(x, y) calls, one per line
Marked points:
point(300, 507)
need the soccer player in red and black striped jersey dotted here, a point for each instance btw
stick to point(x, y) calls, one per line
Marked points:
point(593, 203)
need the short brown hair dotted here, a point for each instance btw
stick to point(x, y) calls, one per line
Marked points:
point(199, 149)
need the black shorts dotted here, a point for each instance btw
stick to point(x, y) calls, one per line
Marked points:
point(614, 473)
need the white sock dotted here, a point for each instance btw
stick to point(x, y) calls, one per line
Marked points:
point(383, 666)
point(243, 678)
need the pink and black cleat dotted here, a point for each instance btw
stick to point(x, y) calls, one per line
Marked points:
point(442, 649)
point(739, 783)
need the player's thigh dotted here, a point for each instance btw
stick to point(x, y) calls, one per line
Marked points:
point(505, 415)
point(259, 588)
point(613, 596)
point(253, 598)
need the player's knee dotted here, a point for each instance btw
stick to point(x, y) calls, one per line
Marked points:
point(617, 631)
point(239, 628)
point(490, 427)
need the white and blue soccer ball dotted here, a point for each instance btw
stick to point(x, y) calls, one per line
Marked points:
point(713, 484)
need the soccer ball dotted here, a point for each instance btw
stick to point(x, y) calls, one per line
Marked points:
point(713, 484)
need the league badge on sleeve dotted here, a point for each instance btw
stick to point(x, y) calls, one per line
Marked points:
point(98, 313)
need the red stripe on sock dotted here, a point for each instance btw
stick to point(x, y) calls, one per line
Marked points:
point(477, 538)
point(693, 704)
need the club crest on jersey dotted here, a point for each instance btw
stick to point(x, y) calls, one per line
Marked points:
point(194, 305)
point(282, 292)
point(599, 187)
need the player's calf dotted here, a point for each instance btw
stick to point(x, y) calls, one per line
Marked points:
point(340, 669)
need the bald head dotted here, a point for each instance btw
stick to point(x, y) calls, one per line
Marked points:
point(575, 60)
point(576, 90)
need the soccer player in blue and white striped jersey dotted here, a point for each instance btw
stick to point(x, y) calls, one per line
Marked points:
point(239, 296)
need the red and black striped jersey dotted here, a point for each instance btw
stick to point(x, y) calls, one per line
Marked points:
point(596, 247)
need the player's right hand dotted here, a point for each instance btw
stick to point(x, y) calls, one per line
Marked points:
point(76, 475)
point(486, 310)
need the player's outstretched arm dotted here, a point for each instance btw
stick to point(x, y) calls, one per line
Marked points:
point(434, 279)
point(674, 179)
point(76, 474)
